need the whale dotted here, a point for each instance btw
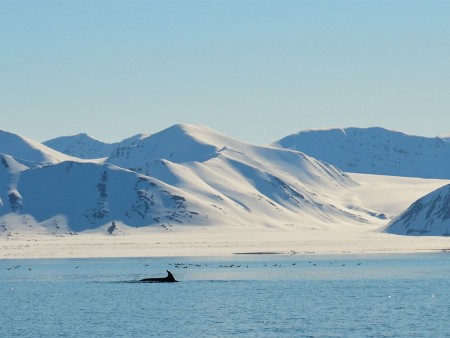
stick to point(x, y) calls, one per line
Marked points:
point(169, 279)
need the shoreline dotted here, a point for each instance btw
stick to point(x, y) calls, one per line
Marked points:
point(243, 254)
point(220, 242)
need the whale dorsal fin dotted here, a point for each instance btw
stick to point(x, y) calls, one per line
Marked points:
point(170, 276)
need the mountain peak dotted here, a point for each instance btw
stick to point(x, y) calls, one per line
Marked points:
point(197, 131)
point(178, 143)
point(80, 145)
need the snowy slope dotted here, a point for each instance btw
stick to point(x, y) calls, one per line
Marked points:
point(375, 151)
point(429, 215)
point(264, 185)
point(73, 196)
point(10, 169)
point(81, 146)
point(26, 149)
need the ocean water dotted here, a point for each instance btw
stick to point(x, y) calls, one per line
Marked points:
point(240, 296)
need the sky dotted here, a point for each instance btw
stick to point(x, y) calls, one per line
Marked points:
point(254, 70)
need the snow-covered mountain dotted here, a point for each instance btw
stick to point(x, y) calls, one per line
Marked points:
point(429, 215)
point(82, 196)
point(81, 146)
point(23, 148)
point(186, 174)
point(193, 175)
point(254, 179)
point(375, 151)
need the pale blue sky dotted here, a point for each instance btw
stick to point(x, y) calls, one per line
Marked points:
point(255, 70)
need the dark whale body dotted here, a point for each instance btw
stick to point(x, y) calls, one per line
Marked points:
point(169, 279)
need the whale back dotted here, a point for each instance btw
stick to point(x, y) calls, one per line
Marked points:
point(169, 279)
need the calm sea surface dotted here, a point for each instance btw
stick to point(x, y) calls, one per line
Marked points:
point(243, 296)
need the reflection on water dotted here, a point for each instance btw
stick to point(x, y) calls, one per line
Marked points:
point(261, 295)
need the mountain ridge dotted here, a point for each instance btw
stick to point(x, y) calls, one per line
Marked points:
point(24, 148)
point(374, 150)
